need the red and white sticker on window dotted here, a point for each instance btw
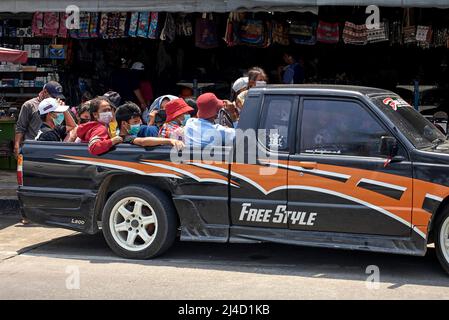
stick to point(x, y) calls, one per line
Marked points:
point(395, 103)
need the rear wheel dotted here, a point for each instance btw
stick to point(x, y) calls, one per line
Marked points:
point(442, 240)
point(139, 222)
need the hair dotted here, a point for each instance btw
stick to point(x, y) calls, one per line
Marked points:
point(86, 96)
point(192, 103)
point(126, 112)
point(95, 105)
point(85, 107)
point(43, 117)
point(254, 72)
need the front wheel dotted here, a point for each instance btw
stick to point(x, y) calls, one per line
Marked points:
point(442, 240)
point(139, 222)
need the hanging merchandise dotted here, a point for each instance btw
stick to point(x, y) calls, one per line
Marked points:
point(328, 32)
point(83, 32)
point(93, 25)
point(396, 33)
point(280, 32)
point(206, 32)
point(303, 32)
point(113, 30)
point(183, 25)
point(37, 24)
point(424, 36)
point(169, 31)
point(441, 37)
point(252, 32)
point(152, 30)
point(62, 32)
point(133, 23)
point(121, 29)
point(51, 24)
point(379, 34)
point(144, 24)
point(103, 25)
point(355, 33)
point(409, 30)
point(232, 25)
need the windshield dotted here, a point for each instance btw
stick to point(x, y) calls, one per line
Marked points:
point(420, 131)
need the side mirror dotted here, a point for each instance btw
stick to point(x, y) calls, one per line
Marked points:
point(388, 146)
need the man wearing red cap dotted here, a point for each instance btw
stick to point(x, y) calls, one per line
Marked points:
point(202, 131)
point(177, 112)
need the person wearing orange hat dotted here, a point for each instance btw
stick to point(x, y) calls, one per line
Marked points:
point(202, 131)
point(178, 112)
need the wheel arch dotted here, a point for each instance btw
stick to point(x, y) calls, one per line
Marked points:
point(444, 205)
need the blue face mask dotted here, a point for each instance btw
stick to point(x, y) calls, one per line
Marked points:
point(59, 119)
point(134, 129)
point(186, 117)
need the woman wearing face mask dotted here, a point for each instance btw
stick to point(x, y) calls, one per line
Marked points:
point(178, 112)
point(96, 132)
point(53, 113)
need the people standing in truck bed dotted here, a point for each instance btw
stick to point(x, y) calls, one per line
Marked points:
point(178, 112)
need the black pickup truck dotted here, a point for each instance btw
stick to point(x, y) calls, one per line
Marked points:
point(335, 166)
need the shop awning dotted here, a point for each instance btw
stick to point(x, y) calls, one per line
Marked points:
point(201, 5)
point(14, 56)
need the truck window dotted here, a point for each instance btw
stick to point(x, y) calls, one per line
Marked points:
point(275, 120)
point(339, 127)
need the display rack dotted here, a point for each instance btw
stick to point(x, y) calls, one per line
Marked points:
point(22, 81)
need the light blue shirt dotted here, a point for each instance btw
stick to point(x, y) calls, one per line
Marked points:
point(202, 133)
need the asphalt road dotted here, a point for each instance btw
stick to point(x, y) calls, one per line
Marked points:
point(47, 263)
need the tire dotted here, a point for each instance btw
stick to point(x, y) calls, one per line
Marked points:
point(135, 209)
point(442, 239)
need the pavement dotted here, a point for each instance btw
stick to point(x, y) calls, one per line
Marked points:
point(8, 193)
point(39, 262)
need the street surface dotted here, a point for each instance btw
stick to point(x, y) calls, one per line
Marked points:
point(47, 263)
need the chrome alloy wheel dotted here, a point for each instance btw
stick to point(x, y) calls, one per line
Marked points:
point(133, 224)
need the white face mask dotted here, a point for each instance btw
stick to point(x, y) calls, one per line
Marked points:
point(105, 117)
point(261, 83)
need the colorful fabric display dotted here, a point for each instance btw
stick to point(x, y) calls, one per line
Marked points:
point(379, 34)
point(133, 22)
point(103, 25)
point(83, 31)
point(51, 24)
point(93, 25)
point(280, 32)
point(37, 24)
point(252, 32)
point(328, 32)
point(355, 33)
point(152, 30)
point(62, 32)
point(144, 24)
point(302, 32)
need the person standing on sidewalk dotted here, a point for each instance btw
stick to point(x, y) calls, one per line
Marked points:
point(29, 121)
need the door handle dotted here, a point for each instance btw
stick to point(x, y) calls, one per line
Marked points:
point(308, 165)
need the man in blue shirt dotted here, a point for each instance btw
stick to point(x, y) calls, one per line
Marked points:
point(202, 131)
point(293, 72)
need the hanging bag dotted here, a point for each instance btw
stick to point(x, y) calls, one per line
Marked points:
point(379, 34)
point(280, 33)
point(152, 29)
point(303, 32)
point(231, 36)
point(83, 32)
point(37, 24)
point(206, 32)
point(133, 22)
point(409, 30)
point(424, 36)
point(252, 32)
point(104, 25)
point(328, 32)
point(144, 24)
point(169, 31)
point(355, 33)
point(62, 31)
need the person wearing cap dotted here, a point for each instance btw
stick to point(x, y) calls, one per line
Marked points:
point(256, 77)
point(130, 124)
point(29, 121)
point(178, 112)
point(126, 81)
point(96, 131)
point(202, 131)
point(240, 85)
point(53, 113)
